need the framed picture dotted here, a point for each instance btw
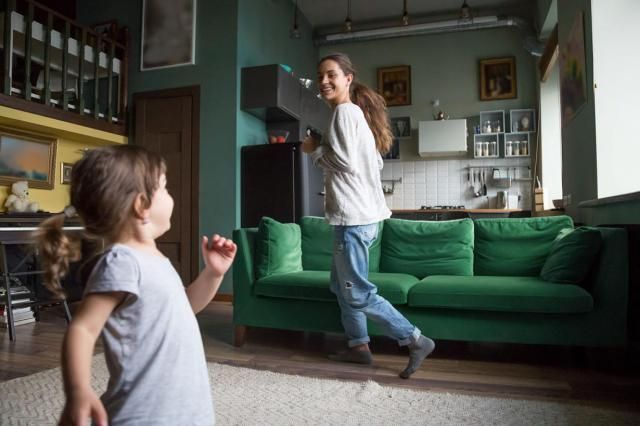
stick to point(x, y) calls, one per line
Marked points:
point(401, 127)
point(65, 172)
point(394, 84)
point(498, 79)
point(168, 33)
point(573, 78)
point(27, 156)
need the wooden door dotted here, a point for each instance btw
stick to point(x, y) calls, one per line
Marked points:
point(167, 122)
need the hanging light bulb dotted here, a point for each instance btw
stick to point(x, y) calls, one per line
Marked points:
point(405, 14)
point(295, 31)
point(347, 22)
point(465, 12)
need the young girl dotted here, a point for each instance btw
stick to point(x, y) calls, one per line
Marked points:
point(134, 297)
point(354, 204)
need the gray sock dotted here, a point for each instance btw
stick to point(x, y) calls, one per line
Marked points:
point(418, 351)
point(352, 355)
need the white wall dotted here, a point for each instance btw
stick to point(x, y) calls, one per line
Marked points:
point(551, 137)
point(616, 66)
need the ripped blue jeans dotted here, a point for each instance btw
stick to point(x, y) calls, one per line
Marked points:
point(357, 296)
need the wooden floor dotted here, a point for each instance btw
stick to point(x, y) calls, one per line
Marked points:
point(601, 378)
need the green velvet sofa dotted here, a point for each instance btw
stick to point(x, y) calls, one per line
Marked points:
point(469, 280)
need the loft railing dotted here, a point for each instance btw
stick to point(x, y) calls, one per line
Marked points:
point(52, 65)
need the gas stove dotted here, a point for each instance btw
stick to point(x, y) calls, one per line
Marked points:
point(441, 207)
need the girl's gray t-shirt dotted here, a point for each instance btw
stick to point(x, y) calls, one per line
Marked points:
point(153, 348)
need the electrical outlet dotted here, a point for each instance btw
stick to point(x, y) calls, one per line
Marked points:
point(566, 200)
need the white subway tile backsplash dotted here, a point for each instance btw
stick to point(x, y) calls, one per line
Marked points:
point(446, 182)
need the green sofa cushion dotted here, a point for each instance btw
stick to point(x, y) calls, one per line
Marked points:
point(572, 255)
point(515, 247)
point(423, 248)
point(317, 245)
point(314, 285)
point(278, 248)
point(505, 294)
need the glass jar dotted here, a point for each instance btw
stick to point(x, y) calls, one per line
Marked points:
point(478, 149)
point(516, 147)
point(485, 149)
point(509, 149)
point(494, 149)
point(524, 148)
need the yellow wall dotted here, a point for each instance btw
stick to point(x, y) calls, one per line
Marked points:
point(71, 140)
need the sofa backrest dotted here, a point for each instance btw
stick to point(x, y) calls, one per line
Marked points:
point(422, 248)
point(317, 245)
point(515, 247)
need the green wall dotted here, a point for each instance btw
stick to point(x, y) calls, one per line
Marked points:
point(230, 34)
point(445, 66)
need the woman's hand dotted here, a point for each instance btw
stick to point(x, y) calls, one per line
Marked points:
point(218, 254)
point(309, 144)
point(81, 406)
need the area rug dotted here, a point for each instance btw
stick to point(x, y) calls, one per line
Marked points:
point(254, 397)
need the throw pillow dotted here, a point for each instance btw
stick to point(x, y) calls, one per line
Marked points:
point(572, 255)
point(278, 248)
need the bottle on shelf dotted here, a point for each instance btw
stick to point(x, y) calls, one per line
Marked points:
point(494, 148)
point(516, 147)
point(509, 149)
point(524, 147)
point(485, 149)
point(478, 149)
point(488, 126)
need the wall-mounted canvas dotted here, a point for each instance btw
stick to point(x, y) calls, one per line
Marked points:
point(573, 78)
point(27, 156)
point(168, 33)
point(394, 84)
point(498, 79)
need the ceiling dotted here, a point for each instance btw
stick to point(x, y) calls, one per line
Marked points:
point(331, 13)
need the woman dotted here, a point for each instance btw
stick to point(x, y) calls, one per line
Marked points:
point(350, 156)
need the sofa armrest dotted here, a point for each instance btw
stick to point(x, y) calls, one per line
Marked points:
point(243, 267)
point(610, 282)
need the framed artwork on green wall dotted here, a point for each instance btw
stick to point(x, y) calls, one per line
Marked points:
point(498, 79)
point(168, 34)
point(394, 84)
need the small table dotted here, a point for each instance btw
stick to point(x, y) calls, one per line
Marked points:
point(21, 235)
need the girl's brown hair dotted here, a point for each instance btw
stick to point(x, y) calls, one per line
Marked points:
point(371, 103)
point(104, 187)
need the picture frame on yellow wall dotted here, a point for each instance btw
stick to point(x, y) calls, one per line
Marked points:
point(27, 156)
point(65, 173)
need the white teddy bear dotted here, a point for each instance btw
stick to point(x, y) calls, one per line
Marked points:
point(18, 200)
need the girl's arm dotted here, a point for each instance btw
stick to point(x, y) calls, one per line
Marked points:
point(77, 350)
point(218, 257)
point(338, 154)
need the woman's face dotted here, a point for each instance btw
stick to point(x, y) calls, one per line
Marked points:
point(333, 83)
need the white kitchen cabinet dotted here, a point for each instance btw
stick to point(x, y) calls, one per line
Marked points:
point(441, 138)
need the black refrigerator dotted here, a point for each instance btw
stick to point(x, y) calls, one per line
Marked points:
point(279, 181)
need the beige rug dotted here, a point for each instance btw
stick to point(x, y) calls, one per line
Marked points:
point(251, 397)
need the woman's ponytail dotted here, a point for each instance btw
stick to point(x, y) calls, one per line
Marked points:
point(57, 250)
point(375, 111)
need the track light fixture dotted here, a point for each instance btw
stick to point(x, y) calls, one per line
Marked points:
point(295, 31)
point(405, 14)
point(347, 22)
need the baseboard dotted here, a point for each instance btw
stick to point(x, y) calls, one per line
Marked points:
point(223, 298)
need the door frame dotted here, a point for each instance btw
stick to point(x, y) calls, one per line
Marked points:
point(194, 93)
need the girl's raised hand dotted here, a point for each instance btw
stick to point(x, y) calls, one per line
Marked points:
point(218, 253)
point(80, 407)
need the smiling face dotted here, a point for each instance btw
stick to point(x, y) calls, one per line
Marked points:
point(333, 83)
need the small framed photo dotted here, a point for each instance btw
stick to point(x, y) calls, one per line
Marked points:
point(394, 84)
point(401, 127)
point(498, 79)
point(65, 173)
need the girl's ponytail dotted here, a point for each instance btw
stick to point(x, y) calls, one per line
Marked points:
point(375, 111)
point(57, 249)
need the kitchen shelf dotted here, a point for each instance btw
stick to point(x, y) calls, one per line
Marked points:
point(517, 124)
point(486, 143)
point(494, 118)
point(517, 144)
